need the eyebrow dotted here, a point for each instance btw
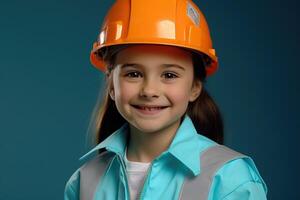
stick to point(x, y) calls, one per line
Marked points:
point(174, 65)
point(129, 65)
point(164, 65)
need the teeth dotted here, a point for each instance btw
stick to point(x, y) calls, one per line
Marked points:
point(150, 108)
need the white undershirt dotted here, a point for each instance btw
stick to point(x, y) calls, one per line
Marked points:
point(136, 172)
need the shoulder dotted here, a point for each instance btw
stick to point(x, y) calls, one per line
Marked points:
point(72, 186)
point(88, 169)
point(238, 178)
point(100, 161)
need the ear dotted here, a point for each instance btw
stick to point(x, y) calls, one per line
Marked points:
point(111, 89)
point(112, 93)
point(196, 91)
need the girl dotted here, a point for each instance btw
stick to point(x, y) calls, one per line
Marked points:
point(159, 133)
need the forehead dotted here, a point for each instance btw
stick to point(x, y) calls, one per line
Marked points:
point(154, 54)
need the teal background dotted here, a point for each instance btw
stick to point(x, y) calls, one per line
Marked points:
point(48, 89)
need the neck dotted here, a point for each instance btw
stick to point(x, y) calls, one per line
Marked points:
point(145, 147)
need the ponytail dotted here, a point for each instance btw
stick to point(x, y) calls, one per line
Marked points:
point(206, 117)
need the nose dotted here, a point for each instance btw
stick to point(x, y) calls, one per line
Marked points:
point(150, 88)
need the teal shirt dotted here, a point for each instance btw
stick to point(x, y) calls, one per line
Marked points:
point(236, 180)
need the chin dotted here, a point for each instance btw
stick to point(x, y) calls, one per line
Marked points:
point(151, 127)
point(148, 129)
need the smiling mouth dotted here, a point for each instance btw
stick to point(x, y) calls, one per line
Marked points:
point(149, 108)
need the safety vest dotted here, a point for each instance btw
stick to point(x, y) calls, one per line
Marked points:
point(193, 188)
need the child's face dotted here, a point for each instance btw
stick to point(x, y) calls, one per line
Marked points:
point(152, 86)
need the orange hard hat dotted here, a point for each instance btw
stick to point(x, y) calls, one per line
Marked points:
point(177, 23)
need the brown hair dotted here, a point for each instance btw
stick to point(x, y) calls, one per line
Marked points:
point(203, 111)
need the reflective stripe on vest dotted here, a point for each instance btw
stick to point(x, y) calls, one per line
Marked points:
point(91, 172)
point(194, 188)
point(212, 159)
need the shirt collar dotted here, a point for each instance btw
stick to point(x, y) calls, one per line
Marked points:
point(116, 142)
point(186, 145)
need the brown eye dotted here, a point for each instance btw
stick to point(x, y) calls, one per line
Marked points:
point(133, 74)
point(169, 75)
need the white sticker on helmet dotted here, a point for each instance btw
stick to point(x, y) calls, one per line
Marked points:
point(193, 14)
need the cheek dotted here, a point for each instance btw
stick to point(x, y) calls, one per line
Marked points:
point(125, 91)
point(179, 95)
